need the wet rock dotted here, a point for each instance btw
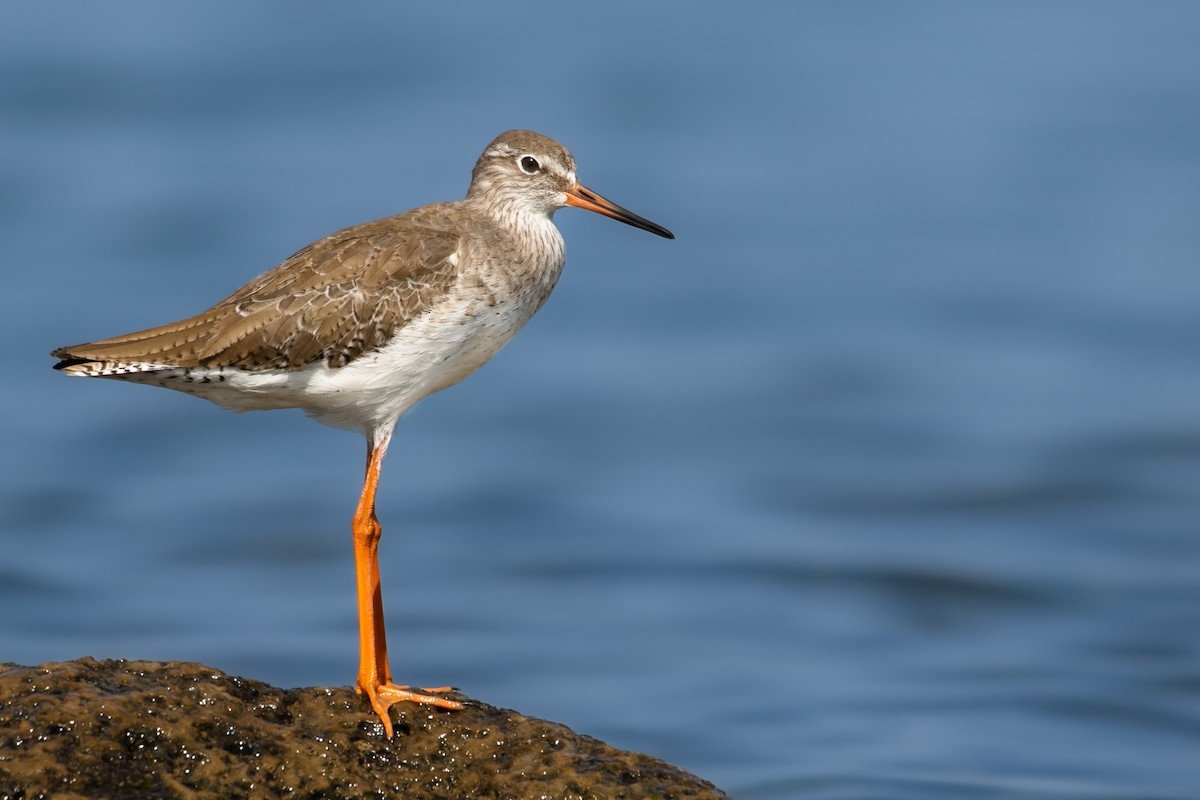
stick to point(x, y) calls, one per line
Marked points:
point(146, 729)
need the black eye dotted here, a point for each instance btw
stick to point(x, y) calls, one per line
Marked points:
point(530, 165)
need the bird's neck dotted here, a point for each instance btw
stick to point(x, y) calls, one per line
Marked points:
point(531, 230)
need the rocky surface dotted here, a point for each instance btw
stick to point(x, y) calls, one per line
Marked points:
point(145, 729)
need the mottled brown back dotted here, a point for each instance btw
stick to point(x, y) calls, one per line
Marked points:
point(338, 298)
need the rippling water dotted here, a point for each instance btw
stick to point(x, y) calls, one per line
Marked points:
point(880, 481)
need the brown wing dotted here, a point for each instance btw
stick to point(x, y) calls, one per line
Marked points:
point(338, 298)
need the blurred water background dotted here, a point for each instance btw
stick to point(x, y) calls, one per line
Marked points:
point(883, 480)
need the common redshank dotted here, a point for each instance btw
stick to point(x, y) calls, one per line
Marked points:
point(360, 325)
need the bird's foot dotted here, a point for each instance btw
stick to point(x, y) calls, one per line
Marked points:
point(384, 695)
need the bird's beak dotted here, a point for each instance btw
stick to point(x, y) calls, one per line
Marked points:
point(582, 197)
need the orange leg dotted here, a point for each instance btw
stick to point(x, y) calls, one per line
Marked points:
point(374, 673)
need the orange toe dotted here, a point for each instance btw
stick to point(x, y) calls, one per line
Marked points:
point(385, 695)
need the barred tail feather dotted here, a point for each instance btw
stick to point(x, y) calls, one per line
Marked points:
point(89, 368)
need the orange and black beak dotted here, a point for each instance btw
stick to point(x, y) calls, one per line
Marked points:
point(581, 197)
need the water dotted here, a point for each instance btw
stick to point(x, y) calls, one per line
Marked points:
point(880, 481)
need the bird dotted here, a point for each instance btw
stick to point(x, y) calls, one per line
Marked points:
point(357, 327)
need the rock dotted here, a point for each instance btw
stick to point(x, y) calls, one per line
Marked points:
point(147, 729)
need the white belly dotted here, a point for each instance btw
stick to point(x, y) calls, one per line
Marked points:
point(431, 353)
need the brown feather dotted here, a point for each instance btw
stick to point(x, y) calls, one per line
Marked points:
point(338, 298)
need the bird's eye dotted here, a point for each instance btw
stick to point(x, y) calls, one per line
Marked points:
point(530, 165)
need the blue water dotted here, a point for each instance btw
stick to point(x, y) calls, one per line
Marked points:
point(881, 481)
